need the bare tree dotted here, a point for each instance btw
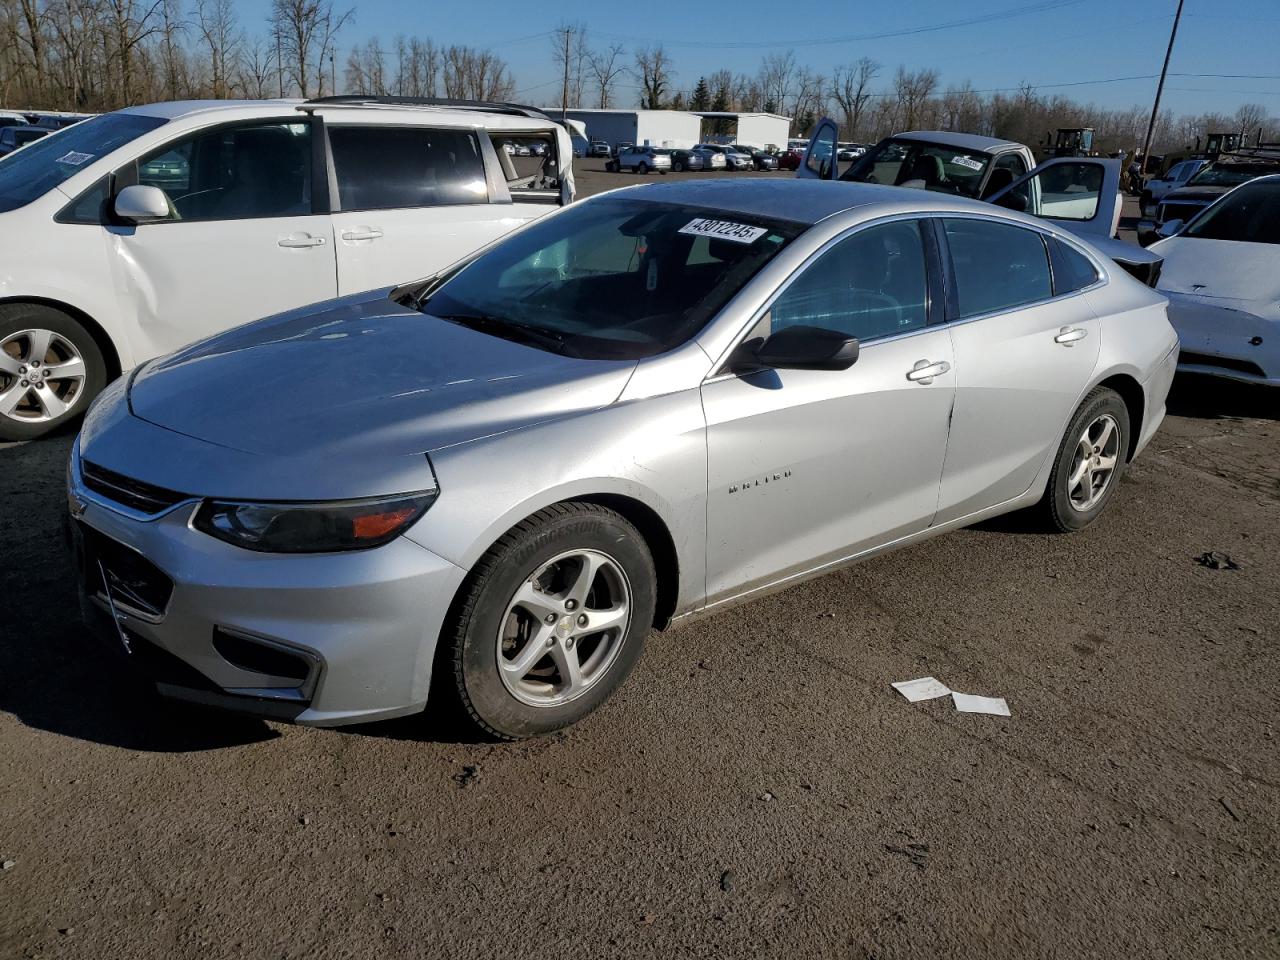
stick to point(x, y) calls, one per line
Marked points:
point(129, 23)
point(256, 70)
point(563, 39)
point(851, 89)
point(653, 69)
point(306, 30)
point(366, 70)
point(605, 70)
point(473, 74)
point(421, 67)
point(220, 33)
point(913, 90)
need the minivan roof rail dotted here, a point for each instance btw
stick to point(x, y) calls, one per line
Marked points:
point(485, 106)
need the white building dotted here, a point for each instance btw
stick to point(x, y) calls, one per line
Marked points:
point(657, 128)
point(753, 129)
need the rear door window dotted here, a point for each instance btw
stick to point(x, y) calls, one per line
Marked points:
point(389, 168)
point(997, 266)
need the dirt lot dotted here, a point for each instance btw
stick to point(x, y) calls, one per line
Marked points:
point(755, 790)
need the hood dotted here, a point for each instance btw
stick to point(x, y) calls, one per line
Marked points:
point(1220, 268)
point(362, 377)
point(1192, 194)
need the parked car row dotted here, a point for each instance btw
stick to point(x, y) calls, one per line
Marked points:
point(703, 156)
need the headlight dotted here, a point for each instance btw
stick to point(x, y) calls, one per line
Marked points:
point(312, 527)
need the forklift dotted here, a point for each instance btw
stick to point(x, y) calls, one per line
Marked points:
point(1073, 142)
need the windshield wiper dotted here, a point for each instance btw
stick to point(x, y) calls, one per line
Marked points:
point(509, 329)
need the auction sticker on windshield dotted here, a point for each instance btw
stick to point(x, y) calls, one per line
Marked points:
point(75, 158)
point(723, 230)
point(967, 162)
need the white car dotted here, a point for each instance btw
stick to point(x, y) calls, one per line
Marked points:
point(1177, 176)
point(1221, 274)
point(134, 233)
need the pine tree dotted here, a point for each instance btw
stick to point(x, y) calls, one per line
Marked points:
point(701, 99)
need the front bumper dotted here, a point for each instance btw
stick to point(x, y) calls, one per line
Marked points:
point(350, 636)
point(1222, 340)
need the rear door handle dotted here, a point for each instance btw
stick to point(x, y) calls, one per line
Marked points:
point(1069, 335)
point(925, 370)
point(362, 233)
point(303, 241)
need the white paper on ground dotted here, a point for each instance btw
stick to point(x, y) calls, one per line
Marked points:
point(968, 703)
point(925, 688)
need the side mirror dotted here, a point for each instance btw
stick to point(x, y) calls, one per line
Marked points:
point(1169, 228)
point(140, 203)
point(800, 348)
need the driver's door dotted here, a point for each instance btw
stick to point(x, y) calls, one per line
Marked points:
point(807, 467)
point(819, 161)
point(1080, 194)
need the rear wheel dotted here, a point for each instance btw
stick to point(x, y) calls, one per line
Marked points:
point(1090, 462)
point(551, 620)
point(643, 168)
point(678, 167)
point(50, 368)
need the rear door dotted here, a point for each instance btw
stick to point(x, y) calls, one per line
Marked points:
point(1080, 194)
point(249, 235)
point(1026, 344)
point(819, 162)
point(410, 200)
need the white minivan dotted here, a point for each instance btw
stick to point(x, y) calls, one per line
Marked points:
point(133, 233)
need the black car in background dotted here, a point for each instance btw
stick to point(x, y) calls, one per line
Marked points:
point(763, 159)
point(687, 160)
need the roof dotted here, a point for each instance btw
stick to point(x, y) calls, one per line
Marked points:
point(800, 201)
point(962, 141)
point(490, 117)
point(739, 113)
point(171, 109)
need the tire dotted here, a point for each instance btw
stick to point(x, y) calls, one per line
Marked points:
point(68, 348)
point(492, 627)
point(611, 167)
point(678, 167)
point(1066, 508)
point(643, 169)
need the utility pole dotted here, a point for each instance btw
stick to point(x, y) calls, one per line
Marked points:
point(279, 64)
point(1155, 110)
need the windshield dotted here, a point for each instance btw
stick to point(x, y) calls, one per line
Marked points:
point(1231, 174)
point(1250, 214)
point(927, 166)
point(39, 167)
point(613, 278)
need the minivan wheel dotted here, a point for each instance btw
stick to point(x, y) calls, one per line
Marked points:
point(643, 168)
point(551, 620)
point(50, 368)
point(1090, 462)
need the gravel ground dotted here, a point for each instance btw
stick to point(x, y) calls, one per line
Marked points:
point(756, 789)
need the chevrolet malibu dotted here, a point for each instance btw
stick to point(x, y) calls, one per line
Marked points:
point(491, 485)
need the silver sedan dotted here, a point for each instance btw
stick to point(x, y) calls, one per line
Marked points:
point(491, 485)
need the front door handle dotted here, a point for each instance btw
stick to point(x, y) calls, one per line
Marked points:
point(362, 233)
point(303, 241)
point(1069, 335)
point(925, 370)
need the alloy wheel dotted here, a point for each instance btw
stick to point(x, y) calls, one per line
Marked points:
point(1093, 463)
point(41, 376)
point(564, 628)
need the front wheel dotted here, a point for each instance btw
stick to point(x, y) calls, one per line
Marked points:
point(1090, 462)
point(643, 168)
point(678, 167)
point(551, 620)
point(50, 368)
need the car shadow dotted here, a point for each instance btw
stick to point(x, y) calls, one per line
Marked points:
point(1213, 398)
point(56, 676)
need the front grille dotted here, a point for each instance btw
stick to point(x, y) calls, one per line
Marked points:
point(134, 494)
point(1224, 363)
point(134, 580)
point(1179, 211)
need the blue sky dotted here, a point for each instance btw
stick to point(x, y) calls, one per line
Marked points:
point(1075, 40)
